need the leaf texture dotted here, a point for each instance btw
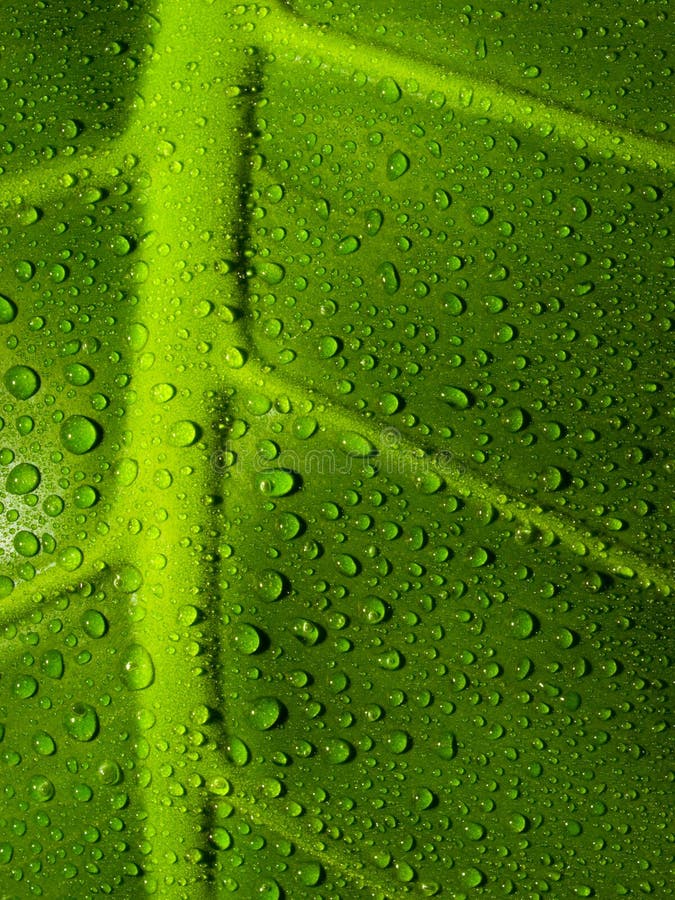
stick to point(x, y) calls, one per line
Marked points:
point(336, 543)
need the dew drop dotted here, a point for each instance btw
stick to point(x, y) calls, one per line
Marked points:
point(81, 722)
point(138, 669)
point(389, 277)
point(388, 90)
point(183, 433)
point(79, 434)
point(22, 382)
point(456, 397)
point(275, 482)
point(265, 713)
point(355, 444)
point(397, 165)
point(7, 310)
point(22, 479)
point(522, 624)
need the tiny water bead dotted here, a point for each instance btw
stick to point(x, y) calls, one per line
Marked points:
point(22, 382)
point(79, 434)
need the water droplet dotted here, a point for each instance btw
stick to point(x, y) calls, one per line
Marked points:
point(374, 219)
point(265, 713)
point(388, 90)
point(456, 397)
point(26, 543)
point(44, 743)
point(270, 585)
point(288, 526)
point(52, 663)
point(245, 638)
point(22, 479)
point(81, 722)
point(78, 374)
point(522, 624)
point(94, 623)
point(25, 686)
point(79, 434)
point(162, 392)
point(347, 564)
point(338, 751)
point(580, 209)
point(552, 478)
point(480, 215)
point(388, 276)
point(128, 579)
point(397, 165)
point(138, 669)
point(398, 741)
point(85, 496)
point(453, 304)
point(355, 444)
point(125, 471)
point(328, 346)
point(348, 245)
point(70, 558)
point(22, 382)
point(271, 272)
point(7, 310)
point(304, 427)
point(41, 789)
point(275, 482)
point(183, 433)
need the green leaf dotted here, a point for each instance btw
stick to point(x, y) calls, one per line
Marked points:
point(335, 450)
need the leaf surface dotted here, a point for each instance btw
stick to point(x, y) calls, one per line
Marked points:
point(335, 463)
